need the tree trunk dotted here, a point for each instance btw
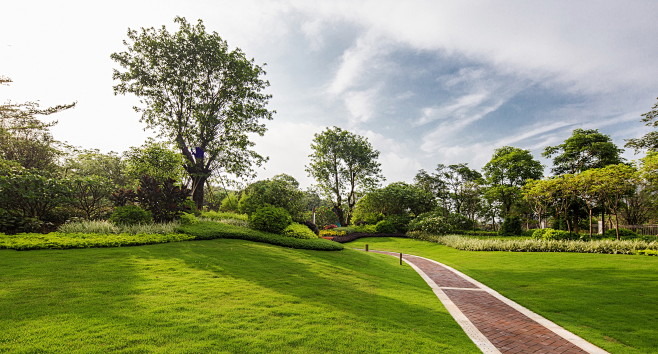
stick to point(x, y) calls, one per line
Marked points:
point(198, 182)
point(340, 214)
point(590, 224)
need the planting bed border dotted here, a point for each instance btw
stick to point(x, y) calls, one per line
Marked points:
point(357, 235)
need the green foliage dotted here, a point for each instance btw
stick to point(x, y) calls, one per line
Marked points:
point(58, 240)
point(324, 216)
point(131, 215)
point(457, 187)
point(395, 199)
point(211, 230)
point(229, 203)
point(650, 140)
point(280, 191)
point(199, 94)
point(270, 219)
point(623, 233)
point(345, 166)
point(156, 160)
point(92, 163)
point(33, 194)
point(217, 215)
point(11, 223)
point(583, 150)
point(298, 231)
point(108, 227)
point(400, 222)
point(440, 224)
point(385, 227)
point(511, 226)
point(188, 219)
point(165, 200)
point(90, 196)
point(648, 252)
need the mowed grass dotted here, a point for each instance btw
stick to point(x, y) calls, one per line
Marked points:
point(609, 300)
point(218, 296)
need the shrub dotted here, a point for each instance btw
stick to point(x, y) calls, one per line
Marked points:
point(218, 215)
point(188, 219)
point(57, 240)
point(385, 227)
point(270, 219)
point(229, 203)
point(539, 233)
point(131, 215)
point(551, 234)
point(163, 199)
point(623, 233)
point(298, 231)
point(11, 223)
point(511, 226)
point(331, 233)
point(400, 222)
point(312, 227)
point(431, 222)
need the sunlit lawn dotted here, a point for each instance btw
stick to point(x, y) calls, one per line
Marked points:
point(610, 300)
point(218, 296)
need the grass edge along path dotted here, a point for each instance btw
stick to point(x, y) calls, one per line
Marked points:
point(218, 296)
point(609, 300)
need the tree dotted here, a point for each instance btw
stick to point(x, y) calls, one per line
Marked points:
point(613, 183)
point(506, 173)
point(345, 166)
point(203, 97)
point(26, 139)
point(584, 149)
point(93, 163)
point(397, 198)
point(156, 160)
point(281, 191)
point(457, 187)
point(650, 140)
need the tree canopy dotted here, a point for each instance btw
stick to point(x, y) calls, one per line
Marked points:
point(345, 166)
point(204, 97)
point(650, 140)
point(584, 149)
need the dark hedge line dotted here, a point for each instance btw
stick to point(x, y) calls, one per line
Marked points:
point(357, 235)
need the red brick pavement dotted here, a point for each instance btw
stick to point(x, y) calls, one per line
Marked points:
point(509, 330)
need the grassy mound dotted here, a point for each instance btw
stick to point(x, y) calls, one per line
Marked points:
point(228, 296)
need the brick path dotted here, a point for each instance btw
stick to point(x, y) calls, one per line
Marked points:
point(495, 323)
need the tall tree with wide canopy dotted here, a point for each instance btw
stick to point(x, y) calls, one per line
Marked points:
point(650, 140)
point(345, 167)
point(584, 149)
point(506, 173)
point(203, 96)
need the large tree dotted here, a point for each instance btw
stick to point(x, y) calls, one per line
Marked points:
point(506, 173)
point(584, 149)
point(457, 187)
point(397, 198)
point(345, 166)
point(650, 140)
point(24, 138)
point(201, 95)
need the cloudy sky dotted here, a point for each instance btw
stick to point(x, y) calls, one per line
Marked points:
point(427, 82)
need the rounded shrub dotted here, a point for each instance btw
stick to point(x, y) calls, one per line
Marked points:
point(131, 215)
point(270, 219)
point(188, 219)
point(400, 222)
point(437, 223)
point(298, 231)
point(623, 233)
point(552, 234)
point(385, 227)
point(511, 226)
point(539, 233)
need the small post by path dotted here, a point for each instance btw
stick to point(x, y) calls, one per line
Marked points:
point(366, 247)
point(400, 258)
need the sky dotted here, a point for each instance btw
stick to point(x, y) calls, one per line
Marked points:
point(427, 82)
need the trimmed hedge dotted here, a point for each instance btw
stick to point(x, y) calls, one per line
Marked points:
point(207, 230)
point(58, 240)
point(299, 231)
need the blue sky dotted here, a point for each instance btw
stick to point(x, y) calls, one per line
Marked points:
point(426, 81)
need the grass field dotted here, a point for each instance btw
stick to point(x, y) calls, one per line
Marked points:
point(220, 296)
point(610, 300)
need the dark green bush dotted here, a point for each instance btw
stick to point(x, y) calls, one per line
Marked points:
point(11, 223)
point(511, 226)
point(165, 200)
point(400, 222)
point(385, 227)
point(270, 219)
point(131, 215)
point(551, 234)
point(623, 233)
point(440, 223)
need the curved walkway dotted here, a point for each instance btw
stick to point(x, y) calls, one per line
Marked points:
point(494, 323)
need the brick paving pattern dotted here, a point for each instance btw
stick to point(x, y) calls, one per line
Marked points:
point(509, 330)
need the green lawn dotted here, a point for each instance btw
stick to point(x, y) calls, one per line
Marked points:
point(610, 300)
point(218, 295)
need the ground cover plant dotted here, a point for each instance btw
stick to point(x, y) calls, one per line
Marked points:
point(522, 244)
point(218, 296)
point(609, 300)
